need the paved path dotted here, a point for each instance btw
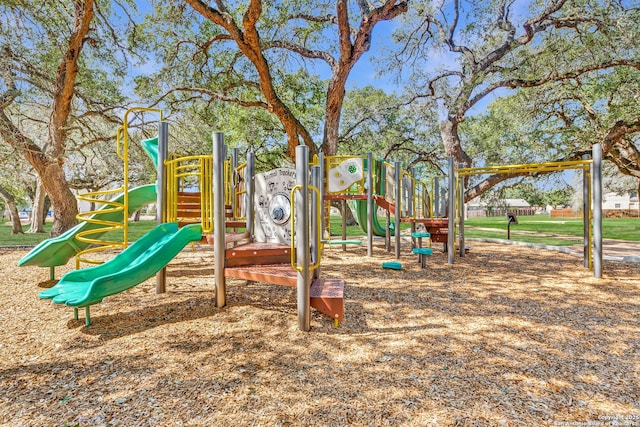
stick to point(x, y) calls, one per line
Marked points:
point(617, 250)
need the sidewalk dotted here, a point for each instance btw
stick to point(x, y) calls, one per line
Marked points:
point(615, 250)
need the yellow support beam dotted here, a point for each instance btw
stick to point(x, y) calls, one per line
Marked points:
point(526, 168)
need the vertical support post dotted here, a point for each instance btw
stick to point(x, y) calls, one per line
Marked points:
point(411, 203)
point(301, 218)
point(436, 197)
point(219, 218)
point(586, 215)
point(161, 190)
point(343, 215)
point(52, 273)
point(250, 184)
point(461, 211)
point(387, 234)
point(398, 213)
point(596, 176)
point(234, 165)
point(411, 191)
point(316, 220)
point(452, 211)
point(371, 211)
point(321, 188)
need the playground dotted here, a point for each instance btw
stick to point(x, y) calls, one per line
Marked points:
point(189, 329)
point(508, 336)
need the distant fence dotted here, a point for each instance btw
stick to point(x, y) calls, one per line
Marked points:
point(565, 213)
point(482, 213)
point(621, 213)
point(606, 213)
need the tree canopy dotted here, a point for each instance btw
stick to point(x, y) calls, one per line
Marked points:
point(485, 82)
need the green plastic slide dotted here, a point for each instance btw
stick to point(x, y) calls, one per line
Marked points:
point(140, 261)
point(59, 250)
point(361, 216)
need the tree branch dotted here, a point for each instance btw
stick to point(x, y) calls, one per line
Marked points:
point(66, 77)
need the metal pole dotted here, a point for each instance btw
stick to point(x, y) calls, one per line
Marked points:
point(398, 204)
point(436, 197)
point(370, 207)
point(586, 214)
point(219, 218)
point(321, 188)
point(387, 234)
point(461, 211)
point(452, 212)
point(316, 221)
point(234, 165)
point(411, 190)
point(250, 187)
point(301, 218)
point(410, 202)
point(161, 190)
point(343, 215)
point(596, 176)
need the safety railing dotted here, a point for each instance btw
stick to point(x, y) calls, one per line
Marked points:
point(294, 263)
point(388, 181)
point(189, 191)
point(104, 218)
point(228, 182)
point(239, 191)
point(420, 199)
point(108, 209)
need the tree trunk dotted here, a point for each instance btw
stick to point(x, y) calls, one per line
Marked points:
point(451, 141)
point(638, 196)
point(45, 211)
point(333, 112)
point(10, 201)
point(63, 202)
point(49, 164)
point(350, 219)
point(37, 207)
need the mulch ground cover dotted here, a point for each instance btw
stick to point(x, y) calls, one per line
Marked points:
point(507, 336)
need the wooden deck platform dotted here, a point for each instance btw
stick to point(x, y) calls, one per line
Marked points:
point(277, 274)
point(257, 254)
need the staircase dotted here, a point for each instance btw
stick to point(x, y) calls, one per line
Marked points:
point(271, 263)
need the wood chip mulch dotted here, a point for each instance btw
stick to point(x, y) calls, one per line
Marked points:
point(507, 336)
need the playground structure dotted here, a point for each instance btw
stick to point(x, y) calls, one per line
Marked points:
point(347, 179)
point(400, 194)
point(84, 238)
point(591, 166)
point(209, 198)
point(198, 199)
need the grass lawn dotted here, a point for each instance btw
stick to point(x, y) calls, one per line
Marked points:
point(26, 239)
point(612, 228)
point(136, 230)
point(356, 230)
point(533, 229)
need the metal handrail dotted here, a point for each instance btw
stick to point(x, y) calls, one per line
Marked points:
point(92, 217)
point(178, 169)
point(293, 248)
point(240, 171)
